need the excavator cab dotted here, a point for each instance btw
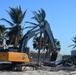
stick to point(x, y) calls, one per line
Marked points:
point(26, 50)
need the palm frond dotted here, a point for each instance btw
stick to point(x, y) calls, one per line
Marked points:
point(31, 23)
point(34, 27)
point(71, 45)
point(43, 14)
point(36, 16)
point(28, 27)
point(7, 21)
point(74, 40)
point(74, 46)
point(23, 15)
point(40, 16)
point(16, 15)
point(12, 13)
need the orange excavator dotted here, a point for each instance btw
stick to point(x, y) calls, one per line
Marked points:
point(17, 58)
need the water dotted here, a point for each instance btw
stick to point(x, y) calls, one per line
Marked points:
point(36, 59)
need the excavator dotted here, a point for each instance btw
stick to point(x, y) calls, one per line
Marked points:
point(17, 58)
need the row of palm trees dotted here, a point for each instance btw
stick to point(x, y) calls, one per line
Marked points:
point(14, 33)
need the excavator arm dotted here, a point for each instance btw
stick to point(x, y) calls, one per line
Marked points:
point(26, 38)
point(44, 27)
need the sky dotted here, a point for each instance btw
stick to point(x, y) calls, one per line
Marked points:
point(61, 15)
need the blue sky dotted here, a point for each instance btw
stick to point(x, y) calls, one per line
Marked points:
point(61, 14)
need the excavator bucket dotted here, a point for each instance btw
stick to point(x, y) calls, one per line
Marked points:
point(54, 60)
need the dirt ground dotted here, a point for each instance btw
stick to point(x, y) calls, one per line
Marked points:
point(38, 72)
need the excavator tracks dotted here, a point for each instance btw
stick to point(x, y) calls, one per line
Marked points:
point(12, 66)
point(17, 66)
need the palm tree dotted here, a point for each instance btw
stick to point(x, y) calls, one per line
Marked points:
point(39, 17)
point(2, 30)
point(15, 32)
point(58, 46)
point(45, 44)
point(74, 42)
point(36, 42)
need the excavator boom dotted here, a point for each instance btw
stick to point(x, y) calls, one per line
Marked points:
point(44, 27)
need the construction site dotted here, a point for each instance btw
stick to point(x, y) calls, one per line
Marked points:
point(38, 37)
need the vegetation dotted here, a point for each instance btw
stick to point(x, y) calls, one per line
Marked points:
point(45, 45)
point(2, 33)
point(39, 17)
point(74, 42)
point(58, 45)
point(40, 42)
point(15, 32)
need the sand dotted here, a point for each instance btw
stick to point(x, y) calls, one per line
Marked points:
point(44, 71)
point(38, 72)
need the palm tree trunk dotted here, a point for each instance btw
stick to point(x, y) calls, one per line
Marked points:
point(39, 48)
point(16, 42)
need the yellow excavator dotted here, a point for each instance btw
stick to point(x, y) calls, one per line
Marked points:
point(17, 58)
